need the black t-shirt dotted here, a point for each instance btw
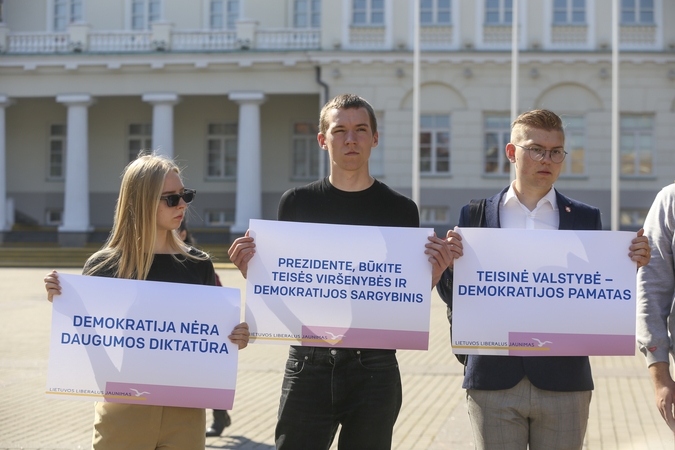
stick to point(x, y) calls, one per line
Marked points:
point(170, 268)
point(321, 202)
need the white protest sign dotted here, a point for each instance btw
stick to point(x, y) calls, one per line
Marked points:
point(544, 293)
point(339, 285)
point(143, 342)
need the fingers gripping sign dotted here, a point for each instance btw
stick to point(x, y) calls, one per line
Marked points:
point(640, 252)
point(442, 253)
point(52, 285)
point(456, 247)
point(241, 251)
point(240, 335)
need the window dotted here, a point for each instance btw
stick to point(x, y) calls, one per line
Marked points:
point(139, 137)
point(57, 152)
point(217, 17)
point(223, 14)
point(435, 12)
point(632, 219)
point(567, 12)
point(497, 135)
point(575, 146)
point(368, 12)
point(54, 217)
point(637, 12)
point(435, 144)
point(637, 145)
point(222, 150)
point(498, 12)
point(306, 151)
point(307, 14)
point(66, 12)
point(434, 215)
point(218, 217)
point(144, 12)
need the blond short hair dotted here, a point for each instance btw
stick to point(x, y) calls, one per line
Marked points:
point(541, 119)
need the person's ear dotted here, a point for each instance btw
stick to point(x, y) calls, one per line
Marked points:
point(321, 138)
point(510, 152)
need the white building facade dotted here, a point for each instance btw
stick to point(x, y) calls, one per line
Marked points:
point(232, 90)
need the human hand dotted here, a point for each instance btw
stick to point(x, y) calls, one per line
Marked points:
point(664, 390)
point(640, 252)
point(442, 253)
point(241, 251)
point(240, 335)
point(456, 246)
point(52, 285)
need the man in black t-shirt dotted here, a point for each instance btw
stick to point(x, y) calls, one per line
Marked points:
point(359, 389)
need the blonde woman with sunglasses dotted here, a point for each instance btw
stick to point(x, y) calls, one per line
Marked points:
point(144, 245)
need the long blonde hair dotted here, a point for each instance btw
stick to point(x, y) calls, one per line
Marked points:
point(129, 248)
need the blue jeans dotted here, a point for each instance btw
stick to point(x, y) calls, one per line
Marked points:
point(327, 387)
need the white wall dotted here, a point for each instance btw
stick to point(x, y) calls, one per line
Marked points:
point(25, 15)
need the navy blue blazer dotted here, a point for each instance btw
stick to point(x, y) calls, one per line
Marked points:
point(552, 373)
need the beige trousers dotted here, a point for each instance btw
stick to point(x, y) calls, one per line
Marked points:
point(510, 419)
point(120, 426)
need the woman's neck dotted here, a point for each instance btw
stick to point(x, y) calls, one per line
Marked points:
point(162, 243)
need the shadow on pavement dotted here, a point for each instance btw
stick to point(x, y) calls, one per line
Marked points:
point(239, 443)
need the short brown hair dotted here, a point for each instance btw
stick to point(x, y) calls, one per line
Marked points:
point(541, 119)
point(346, 101)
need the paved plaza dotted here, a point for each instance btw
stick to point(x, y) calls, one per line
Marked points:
point(433, 416)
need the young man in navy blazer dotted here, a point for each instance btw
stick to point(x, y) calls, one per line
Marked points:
point(541, 401)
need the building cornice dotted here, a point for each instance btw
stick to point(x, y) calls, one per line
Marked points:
point(302, 60)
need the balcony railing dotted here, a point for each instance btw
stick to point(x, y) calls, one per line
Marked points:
point(372, 37)
point(163, 38)
point(436, 37)
point(497, 35)
point(638, 36)
point(569, 36)
point(283, 39)
point(200, 40)
point(120, 41)
point(38, 43)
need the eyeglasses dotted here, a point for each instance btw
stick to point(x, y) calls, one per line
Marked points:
point(174, 199)
point(557, 155)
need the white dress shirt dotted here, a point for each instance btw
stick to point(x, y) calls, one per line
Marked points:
point(513, 214)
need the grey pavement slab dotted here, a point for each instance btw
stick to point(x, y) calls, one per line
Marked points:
point(433, 416)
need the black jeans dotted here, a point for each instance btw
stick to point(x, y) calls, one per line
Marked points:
point(327, 387)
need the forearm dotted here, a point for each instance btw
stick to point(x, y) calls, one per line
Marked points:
point(664, 391)
point(660, 373)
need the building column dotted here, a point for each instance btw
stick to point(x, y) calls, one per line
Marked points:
point(249, 189)
point(75, 228)
point(162, 121)
point(5, 226)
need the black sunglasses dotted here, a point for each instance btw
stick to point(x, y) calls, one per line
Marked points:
point(174, 199)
